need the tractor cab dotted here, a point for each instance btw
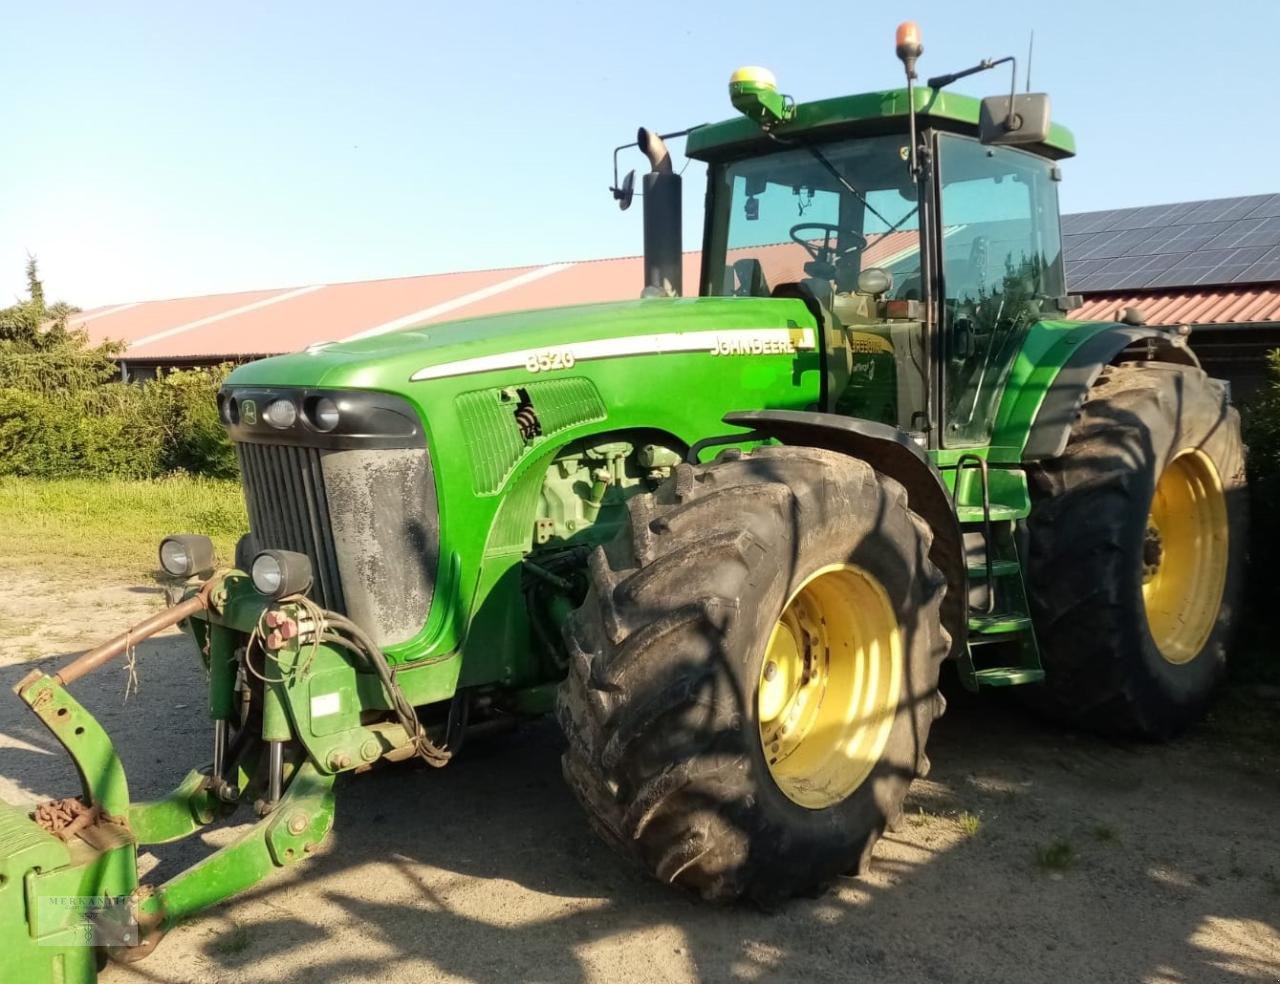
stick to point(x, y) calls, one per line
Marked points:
point(919, 226)
point(844, 231)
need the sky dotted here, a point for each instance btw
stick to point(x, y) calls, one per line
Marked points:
point(168, 149)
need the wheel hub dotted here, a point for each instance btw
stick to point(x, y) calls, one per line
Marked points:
point(829, 685)
point(1184, 556)
point(1152, 552)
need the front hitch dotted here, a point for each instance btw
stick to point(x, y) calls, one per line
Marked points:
point(69, 886)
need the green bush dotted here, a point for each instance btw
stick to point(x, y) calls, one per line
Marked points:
point(197, 440)
point(63, 416)
point(117, 429)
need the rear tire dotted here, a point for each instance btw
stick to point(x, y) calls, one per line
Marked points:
point(662, 704)
point(1134, 621)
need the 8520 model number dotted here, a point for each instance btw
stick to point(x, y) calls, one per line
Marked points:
point(550, 359)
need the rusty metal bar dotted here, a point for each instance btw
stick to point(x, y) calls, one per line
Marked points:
point(94, 658)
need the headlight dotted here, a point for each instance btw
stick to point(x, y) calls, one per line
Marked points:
point(324, 414)
point(280, 573)
point(186, 554)
point(281, 413)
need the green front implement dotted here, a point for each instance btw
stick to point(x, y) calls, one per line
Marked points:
point(69, 887)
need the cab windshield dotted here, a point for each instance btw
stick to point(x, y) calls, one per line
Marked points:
point(795, 215)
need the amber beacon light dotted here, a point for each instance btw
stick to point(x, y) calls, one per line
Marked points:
point(908, 46)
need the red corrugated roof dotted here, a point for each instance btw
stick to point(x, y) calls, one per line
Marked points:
point(130, 322)
point(264, 322)
point(1213, 306)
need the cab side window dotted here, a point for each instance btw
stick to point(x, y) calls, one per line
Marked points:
point(1001, 270)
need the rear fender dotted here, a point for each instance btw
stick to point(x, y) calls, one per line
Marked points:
point(1060, 407)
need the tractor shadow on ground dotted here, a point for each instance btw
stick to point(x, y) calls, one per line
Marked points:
point(488, 870)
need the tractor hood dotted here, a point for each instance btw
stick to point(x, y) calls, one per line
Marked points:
point(395, 360)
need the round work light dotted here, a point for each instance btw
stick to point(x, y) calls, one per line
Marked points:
point(186, 554)
point(280, 573)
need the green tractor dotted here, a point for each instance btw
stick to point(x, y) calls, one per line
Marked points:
point(730, 540)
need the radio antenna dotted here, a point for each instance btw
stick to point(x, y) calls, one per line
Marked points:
point(1031, 47)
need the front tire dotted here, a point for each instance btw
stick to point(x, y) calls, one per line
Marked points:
point(754, 673)
point(1137, 550)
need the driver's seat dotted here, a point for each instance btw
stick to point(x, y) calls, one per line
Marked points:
point(816, 295)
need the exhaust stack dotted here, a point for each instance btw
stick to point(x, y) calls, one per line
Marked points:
point(663, 241)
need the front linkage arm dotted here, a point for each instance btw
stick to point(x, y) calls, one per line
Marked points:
point(78, 857)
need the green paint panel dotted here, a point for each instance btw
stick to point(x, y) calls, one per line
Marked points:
point(638, 389)
point(868, 111)
point(512, 530)
point(493, 436)
point(1046, 349)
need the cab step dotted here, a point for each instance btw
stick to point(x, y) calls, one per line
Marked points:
point(999, 624)
point(999, 568)
point(973, 515)
point(1007, 676)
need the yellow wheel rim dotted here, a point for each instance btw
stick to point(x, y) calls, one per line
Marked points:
point(829, 685)
point(1184, 556)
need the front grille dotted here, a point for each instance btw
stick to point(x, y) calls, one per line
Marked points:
point(366, 518)
point(288, 510)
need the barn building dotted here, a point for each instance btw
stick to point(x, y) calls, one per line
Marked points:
point(1213, 265)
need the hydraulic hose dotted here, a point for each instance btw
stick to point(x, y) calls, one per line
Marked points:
point(359, 642)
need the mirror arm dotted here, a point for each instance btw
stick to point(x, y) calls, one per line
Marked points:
point(1011, 122)
point(661, 136)
point(939, 81)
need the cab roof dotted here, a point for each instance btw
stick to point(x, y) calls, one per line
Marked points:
point(865, 114)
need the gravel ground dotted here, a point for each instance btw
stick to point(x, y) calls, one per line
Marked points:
point(1029, 855)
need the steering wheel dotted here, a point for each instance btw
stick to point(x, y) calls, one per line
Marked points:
point(828, 252)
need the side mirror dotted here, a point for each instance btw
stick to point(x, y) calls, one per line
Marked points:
point(624, 194)
point(1019, 119)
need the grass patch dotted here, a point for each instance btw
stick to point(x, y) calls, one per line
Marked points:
point(969, 823)
point(76, 524)
point(1104, 833)
point(1058, 855)
point(229, 944)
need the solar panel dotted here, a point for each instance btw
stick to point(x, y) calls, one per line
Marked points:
point(1264, 272)
point(1182, 244)
point(1073, 246)
point(1268, 209)
point(1076, 271)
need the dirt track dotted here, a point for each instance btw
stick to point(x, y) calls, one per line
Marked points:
point(487, 871)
